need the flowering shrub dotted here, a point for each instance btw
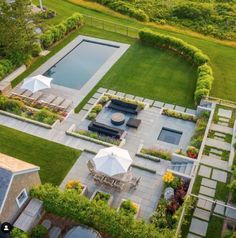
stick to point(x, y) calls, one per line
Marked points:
point(192, 152)
point(74, 184)
point(168, 177)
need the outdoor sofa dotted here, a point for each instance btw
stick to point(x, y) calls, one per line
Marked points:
point(106, 130)
point(124, 106)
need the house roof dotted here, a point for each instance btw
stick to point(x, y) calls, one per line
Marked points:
point(9, 167)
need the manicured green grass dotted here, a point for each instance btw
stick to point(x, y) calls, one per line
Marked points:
point(54, 160)
point(215, 226)
point(227, 137)
point(223, 57)
point(224, 156)
point(222, 192)
point(196, 185)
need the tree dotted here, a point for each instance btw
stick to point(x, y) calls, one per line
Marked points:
point(16, 30)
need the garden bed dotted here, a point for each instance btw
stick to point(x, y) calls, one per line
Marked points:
point(155, 154)
point(99, 195)
point(129, 208)
point(178, 115)
point(77, 186)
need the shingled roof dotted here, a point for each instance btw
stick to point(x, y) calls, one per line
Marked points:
point(9, 167)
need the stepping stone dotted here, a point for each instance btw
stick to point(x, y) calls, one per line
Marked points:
point(207, 191)
point(223, 123)
point(215, 156)
point(203, 203)
point(130, 96)
point(102, 90)
point(220, 134)
point(220, 208)
point(169, 106)
point(87, 107)
point(230, 212)
point(219, 175)
point(47, 224)
point(204, 171)
point(223, 119)
point(149, 101)
point(219, 138)
point(191, 111)
point(97, 95)
point(112, 92)
point(202, 214)
point(208, 183)
point(219, 152)
point(198, 227)
point(138, 99)
point(92, 101)
point(120, 94)
point(224, 113)
point(180, 109)
point(190, 235)
point(158, 104)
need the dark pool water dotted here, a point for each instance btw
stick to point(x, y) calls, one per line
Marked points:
point(170, 136)
point(78, 66)
point(82, 232)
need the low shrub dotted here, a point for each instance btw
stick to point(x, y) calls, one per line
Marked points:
point(192, 152)
point(39, 231)
point(36, 49)
point(179, 115)
point(11, 105)
point(6, 66)
point(104, 100)
point(128, 208)
point(75, 185)
point(101, 196)
point(100, 217)
point(163, 154)
point(45, 116)
point(17, 233)
point(91, 116)
point(97, 108)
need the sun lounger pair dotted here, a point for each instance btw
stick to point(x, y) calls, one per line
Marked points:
point(26, 94)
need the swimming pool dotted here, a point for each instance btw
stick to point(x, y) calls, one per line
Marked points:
point(170, 136)
point(78, 66)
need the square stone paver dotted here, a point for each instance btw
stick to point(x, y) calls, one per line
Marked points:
point(219, 152)
point(149, 101)
point(120, 94)
point(92, 101)
point(219, 208)
point(215, 156)
point(198, 227)
point(219, 175)
point(191, 111)
point(180, 109)
point(87, 107)
point(158, 104)
point(230, 212)
point(139, 99)
point(207, 191)
point(102, 90)
point(202, 214)
point(224, 119)
point(205, 204)
point(190, 235)
point(219, 134)
point(112, 92)
point(224, 113)
point(222, 123)
point(130, 96)
point(209, 183)
point(97, 95)
point(169, 106)
point(205, 171)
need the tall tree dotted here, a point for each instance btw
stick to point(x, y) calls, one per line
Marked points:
point(16, 30)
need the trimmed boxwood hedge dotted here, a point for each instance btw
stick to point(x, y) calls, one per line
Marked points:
point(57, 32)
point(97, 215)
point(190, 52)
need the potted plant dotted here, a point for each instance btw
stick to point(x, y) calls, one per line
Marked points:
point(76, 185)
point(99, 195)
point(192, 152)
point(128, 207)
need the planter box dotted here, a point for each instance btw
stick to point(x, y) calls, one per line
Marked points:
point(96, 191)
point(136, 204)
point(29, 120)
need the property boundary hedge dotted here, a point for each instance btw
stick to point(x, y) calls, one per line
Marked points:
point(6, 67)
point(125, 8)
point(98, 215)
point(58, 32)
point(189, 52)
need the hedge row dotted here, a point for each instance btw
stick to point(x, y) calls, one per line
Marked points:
point(59, 31)
point(125, 8)
point(6, 67)
point(192, 53)
point(97, 215)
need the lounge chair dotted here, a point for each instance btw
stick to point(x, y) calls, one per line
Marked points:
point(35, 96)
point(17, 92)
point(48, 99)
point(56, 103)
point(118, 185)
point(65, 105)
point(91, 168)
point(108, 181)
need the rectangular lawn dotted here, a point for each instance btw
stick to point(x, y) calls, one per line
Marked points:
point(54, 160)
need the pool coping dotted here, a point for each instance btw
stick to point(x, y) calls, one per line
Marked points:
point(91, 83)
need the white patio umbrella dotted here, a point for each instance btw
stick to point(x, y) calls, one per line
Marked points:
point(112, 161)
point(36, 83)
